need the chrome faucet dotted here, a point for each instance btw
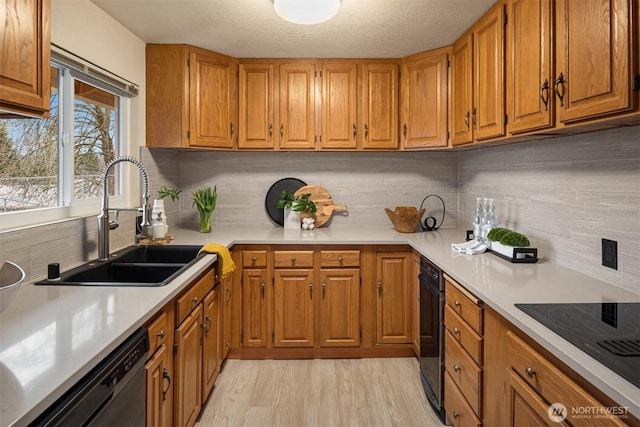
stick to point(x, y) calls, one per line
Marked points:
point(104, 224)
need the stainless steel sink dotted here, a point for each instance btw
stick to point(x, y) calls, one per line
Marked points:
point(132, 266)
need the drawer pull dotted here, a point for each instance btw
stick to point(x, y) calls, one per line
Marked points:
point(379, 287)
point(262, 286)
point(324, 288)
point(457, 368)
point(194, 300)
point(456, 415)
point(311, 290)
point(253, 260)
point(340, 260)
point(457, 303)
point(161, 334)
point(530, 373)
point(293, 261)
point(456, 331)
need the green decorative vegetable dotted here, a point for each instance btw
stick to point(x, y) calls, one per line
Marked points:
point(298, 204)
point(174, 193)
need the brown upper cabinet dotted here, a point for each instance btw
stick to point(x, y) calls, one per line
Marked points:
point(339, 105)
point(255, 105)
point(297, 105)
point(488, 115)
point(593, 69)
point(25, 57)
point(379, 114)
point(477, 80)
point(191, 98)
point(593, 58)
point(424, 100)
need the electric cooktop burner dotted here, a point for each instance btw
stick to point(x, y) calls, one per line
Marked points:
point(608, 332)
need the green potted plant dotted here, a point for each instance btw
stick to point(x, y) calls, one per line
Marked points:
point(293, 206)
point(204, 199)
point(503, 241)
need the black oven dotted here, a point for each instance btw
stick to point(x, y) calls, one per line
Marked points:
point(432, 334)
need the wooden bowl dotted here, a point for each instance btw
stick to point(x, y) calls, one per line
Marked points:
point(405, 219)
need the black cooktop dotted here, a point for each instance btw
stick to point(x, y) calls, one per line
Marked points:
point(608, 332)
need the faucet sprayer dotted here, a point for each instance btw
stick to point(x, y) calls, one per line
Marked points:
point(104, 225)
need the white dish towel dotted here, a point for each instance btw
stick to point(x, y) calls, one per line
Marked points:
point(472, 247)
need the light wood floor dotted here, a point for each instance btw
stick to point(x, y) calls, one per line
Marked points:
point(321, 392)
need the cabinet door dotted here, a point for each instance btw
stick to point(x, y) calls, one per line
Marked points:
point(255, 106)
point(529, 79)
point(25, 84)
point(212, 100)
point(338, 106)
point(593, 58)
point(527, 408)
point(188, 369)
point(158, 381)
point(211, 345)
point(227, 318)
point(462, 91)
point(255, 293)
point(379, 106)
point(425, 102)
point(393, 319)
point(339, 307)
point(293, 308)
point(297, 106)
point(488, 88)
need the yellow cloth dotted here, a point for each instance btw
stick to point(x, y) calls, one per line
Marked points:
point(228, 266)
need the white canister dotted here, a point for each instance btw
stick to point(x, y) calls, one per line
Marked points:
point(291, 219)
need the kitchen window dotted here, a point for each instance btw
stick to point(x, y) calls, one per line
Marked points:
point(51, 168)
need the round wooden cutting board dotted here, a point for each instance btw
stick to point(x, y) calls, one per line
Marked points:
point(323, 201)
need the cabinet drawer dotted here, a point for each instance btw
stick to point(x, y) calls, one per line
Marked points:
point(254, 259)
point(158, 332)
point(464, 372)
point(292, 259)
point(550, 383)
point(465, 304)
point(339, 258)
point(193, 296)
point(458, 410)
point(463, 334)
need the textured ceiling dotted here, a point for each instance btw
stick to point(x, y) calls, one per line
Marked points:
point(251, 28)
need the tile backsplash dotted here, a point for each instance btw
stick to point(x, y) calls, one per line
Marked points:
point(565, 193)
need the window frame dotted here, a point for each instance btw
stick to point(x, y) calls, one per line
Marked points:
point(128, 194)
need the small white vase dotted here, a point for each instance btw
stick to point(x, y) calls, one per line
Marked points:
point(158, 206)
point(291, 219)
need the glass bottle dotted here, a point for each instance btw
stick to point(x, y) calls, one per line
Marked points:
point(477, 220)
point(491, 220)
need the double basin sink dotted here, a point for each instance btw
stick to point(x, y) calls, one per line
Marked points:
point(132, 266)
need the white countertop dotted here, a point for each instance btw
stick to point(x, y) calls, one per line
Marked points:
point(50, 336)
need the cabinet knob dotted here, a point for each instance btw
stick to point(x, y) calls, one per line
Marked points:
point(254, 260)
point(340, 260)
point(456, 331)
point(379, 287)
point(354, 131)
point(311, 290)
point(559, 88)
point(456, 415)
point(293, 260)
point(262, 286)
point(366, 131)
point(270, 131)
point(161, 334)
point(324, 288)
point(457, 303)
point(457, 368)
point(166, 376)
point(544, 94)
point(530, 372)
point(281, 131)
point(466, 119)
point(194, 301)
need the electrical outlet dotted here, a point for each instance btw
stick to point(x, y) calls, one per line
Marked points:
point(610, 253)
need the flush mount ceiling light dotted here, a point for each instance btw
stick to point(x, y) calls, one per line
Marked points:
point(306, 12)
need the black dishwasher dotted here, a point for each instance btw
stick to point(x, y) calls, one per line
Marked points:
point(432, 334)
point(112, 394)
